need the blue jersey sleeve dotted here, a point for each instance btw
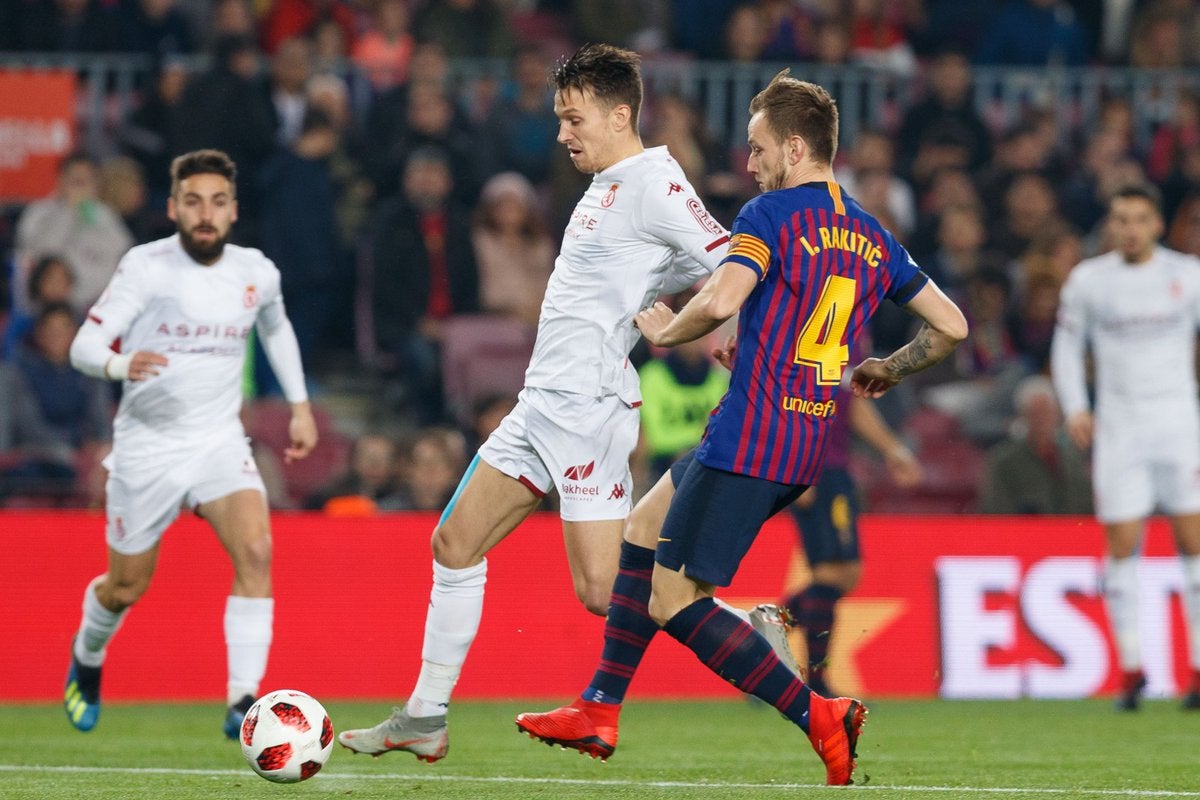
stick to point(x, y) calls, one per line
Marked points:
point(906, 277)
point(749, 242)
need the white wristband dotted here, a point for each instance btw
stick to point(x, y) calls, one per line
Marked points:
point(117, 367)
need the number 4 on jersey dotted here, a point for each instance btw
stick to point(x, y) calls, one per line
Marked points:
point(820, 342)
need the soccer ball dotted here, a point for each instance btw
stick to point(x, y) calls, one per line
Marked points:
point(286, 736)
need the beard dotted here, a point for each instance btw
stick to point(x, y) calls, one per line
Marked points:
point(205, 253)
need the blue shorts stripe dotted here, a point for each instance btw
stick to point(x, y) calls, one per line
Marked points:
point(458, 490)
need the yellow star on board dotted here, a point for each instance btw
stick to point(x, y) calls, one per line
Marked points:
point(859, 621)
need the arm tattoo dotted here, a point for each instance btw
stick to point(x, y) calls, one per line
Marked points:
point(914, 356)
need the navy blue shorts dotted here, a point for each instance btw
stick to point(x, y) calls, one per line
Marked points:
point(714, 518)
point(829, 527)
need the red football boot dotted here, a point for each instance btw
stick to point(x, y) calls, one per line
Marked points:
point(585, 726)
point(833, 729)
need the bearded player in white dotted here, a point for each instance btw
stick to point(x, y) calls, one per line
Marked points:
point(183, 308)
point(1139, 308)
point(638, 232)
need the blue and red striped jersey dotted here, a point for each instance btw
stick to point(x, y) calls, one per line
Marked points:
point(824, 265)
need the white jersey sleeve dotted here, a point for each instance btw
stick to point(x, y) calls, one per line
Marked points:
point(676, 215)
point(110, 318)
point(282, 349)
point(1070, 344)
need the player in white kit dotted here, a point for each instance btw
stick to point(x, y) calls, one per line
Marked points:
point(1138, 307)
point(638, 232)
point(183, 308)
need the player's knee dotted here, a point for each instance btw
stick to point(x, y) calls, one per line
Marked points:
point(641, 530)
point(118, 595)
point(594, 597)
point(256, 554)
point(659, 610)
point(451, 550)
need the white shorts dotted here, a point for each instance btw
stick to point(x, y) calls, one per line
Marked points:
point(1146, 461)
point(145, 493)
point(575, 443)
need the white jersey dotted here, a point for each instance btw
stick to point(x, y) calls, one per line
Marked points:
point(639, 231)
point(1141, 321)
point(200, 318)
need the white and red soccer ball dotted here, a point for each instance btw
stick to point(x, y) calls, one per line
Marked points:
point(286, 736)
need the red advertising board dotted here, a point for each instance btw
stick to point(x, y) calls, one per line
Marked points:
point(957, 606)
point(37, 128)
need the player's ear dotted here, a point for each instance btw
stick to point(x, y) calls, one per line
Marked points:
point(797, 149)
point(171, 213)
point(621, 116)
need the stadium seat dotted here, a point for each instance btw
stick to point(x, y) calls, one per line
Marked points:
point(481, 355)
point(267, 424)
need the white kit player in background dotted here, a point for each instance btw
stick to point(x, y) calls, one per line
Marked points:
point(183, 309)
point(1139, 309)
point(639, 231)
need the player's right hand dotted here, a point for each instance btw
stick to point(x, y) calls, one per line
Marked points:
point(145, 364)
point(724, 355)
point(872, 379)
point(1079, 428)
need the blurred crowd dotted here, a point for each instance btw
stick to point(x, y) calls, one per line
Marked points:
point(415, 224)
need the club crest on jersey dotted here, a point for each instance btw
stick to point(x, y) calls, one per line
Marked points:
point(701, 214)
point(610, 196)
point(250, 298)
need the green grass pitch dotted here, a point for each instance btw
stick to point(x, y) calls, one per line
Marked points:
point(675, 751)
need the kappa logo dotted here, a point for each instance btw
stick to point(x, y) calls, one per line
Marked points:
point(610, 196)
point(701, 214)
point(579, 473)
point(618, 491)
point(673, 188)
point(250, 298)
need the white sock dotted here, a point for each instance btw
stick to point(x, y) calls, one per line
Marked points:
point(455, 608)
point(1121, 599)
point(247, 643)
point(97, 627)
point(1191, 603)
point(740, 613)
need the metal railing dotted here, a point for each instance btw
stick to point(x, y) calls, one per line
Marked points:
point(867, 97)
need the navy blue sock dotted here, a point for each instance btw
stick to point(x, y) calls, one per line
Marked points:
point(628, 628)
point(813, 611)
point(735, 651)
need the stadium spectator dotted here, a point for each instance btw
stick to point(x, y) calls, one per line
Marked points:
point(680, 389)
point(1037, 469)
point(177, 434)
point(947, 112)
point(228, 109)
point(1030, 207)
point(123, 189)
point(1184, 233)
point(878, 37)
point(430, 466)
point(67, 26)
point(466, 28)
point(291, 67)
point(513, 251)
point(353, 191)
point(33, 460)
point(371, 474)
point(1033, 33)
point(149, 133)
point(732, 484)
point(299, 233)
point(1137, 308)
point(1174, 137)
point(288, 18)
point(424, 270)
point(75, 224)
point(51, 281)
point(640, 25)
point(872, 151)
point(156, 28)
point(521, 122)
point(383, 51)
point(746, 34)
point(75, 408)
point(576, 421)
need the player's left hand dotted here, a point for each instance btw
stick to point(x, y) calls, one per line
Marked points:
point(653, 320)
point(724, 355)
point(302, 431)
point(872, 379)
